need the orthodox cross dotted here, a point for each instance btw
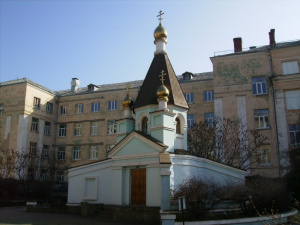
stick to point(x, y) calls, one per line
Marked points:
point(127, 88)
point(159, 15)
point(162, 76)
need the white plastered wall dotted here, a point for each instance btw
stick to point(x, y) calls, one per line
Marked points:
point(22, 132)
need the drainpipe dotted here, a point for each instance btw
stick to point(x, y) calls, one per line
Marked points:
point(55, 133)
point(274, 107)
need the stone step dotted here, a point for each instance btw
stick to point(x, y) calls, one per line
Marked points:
point(105, 214)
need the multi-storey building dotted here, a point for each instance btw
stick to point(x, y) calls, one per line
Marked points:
point(259, 86)
point(27, 116)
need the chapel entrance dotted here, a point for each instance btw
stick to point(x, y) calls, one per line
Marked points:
point(138, 186)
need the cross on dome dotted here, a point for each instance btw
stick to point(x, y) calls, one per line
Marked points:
point(162, 76)
point(127, 88)
point(159, 15)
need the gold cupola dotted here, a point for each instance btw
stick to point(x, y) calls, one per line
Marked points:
point(162, 92)
point(127, 102)
point(160, 32)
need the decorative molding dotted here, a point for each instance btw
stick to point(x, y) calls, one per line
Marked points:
point(166, 112)
point(161, 127)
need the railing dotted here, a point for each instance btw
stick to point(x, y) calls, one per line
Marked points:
point(229, 52)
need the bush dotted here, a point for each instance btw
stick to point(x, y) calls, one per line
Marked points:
point(267, 193)
point(201, 196)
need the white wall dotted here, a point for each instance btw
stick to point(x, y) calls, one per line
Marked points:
point(113, 182)
point(185, 166)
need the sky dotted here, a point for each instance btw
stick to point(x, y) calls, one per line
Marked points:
point(103, 42)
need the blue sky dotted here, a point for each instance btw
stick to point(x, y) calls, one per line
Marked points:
point(103, 42)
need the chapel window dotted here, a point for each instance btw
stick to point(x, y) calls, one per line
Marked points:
point(178, 130)
point(145, 125)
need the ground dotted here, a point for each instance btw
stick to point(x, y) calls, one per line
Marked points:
point(19, 216)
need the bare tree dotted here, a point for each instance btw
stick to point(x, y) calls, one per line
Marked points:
point(7, 163)
point(34, 172)
point(201, 195)
point(226, 141)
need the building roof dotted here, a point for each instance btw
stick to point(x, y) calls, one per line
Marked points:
point(102, 88)
point(28, 81)
point(254, 49)
point(147, 94)
point(105, 87)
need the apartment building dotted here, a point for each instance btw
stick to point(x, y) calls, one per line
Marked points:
point(260, 87)
point(27, 116)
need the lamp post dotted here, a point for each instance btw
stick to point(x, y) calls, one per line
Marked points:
point(182, 206)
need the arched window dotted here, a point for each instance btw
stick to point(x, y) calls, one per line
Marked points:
point(144, 125)
point(178, 127)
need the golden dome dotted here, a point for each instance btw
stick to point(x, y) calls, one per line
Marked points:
point(127, 102)
point(160, 32)
point(162, 93)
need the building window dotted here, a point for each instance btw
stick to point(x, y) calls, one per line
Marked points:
point(111, 127)
point(145, 125)
point(62, 131)
point(259, 86)
point(178, 126)
point(1, 110)
point(190, 121)
point(208, 96)
point(292, 99)
point(93, 152)
point(63, 110)
point(294, 131)
point(47, 129)
point(261, 118)
point(189, 97)
point(61, 153)
point(264, 155)
point(291, 67)
point(209, 119)
point(60, 176)
point(34, 124)
point(36, 102)
point(76, 153)
point(44, 175)
point(77, 129)
point(45, 152)
point(95, 106)
point(112, 105)
point(79, 108)
point(30, 174)
point(108, 148)
point(94, 128)
point(49, 107)
point(32, 148)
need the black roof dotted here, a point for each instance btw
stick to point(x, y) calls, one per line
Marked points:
point(147, 94)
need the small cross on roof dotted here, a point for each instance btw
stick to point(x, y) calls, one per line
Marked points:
point(162, 76)
point(159, 15)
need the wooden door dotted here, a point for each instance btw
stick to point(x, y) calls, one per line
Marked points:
point(138, 187)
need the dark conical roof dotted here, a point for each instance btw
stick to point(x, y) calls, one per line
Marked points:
point(147, 94)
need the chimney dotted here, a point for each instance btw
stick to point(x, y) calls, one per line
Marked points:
point(237, 42)
point(74, 84)
point(272, 38)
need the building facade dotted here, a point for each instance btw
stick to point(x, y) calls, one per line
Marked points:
point(259, 86)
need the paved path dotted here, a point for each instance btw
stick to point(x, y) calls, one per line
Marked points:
point(19, 216)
